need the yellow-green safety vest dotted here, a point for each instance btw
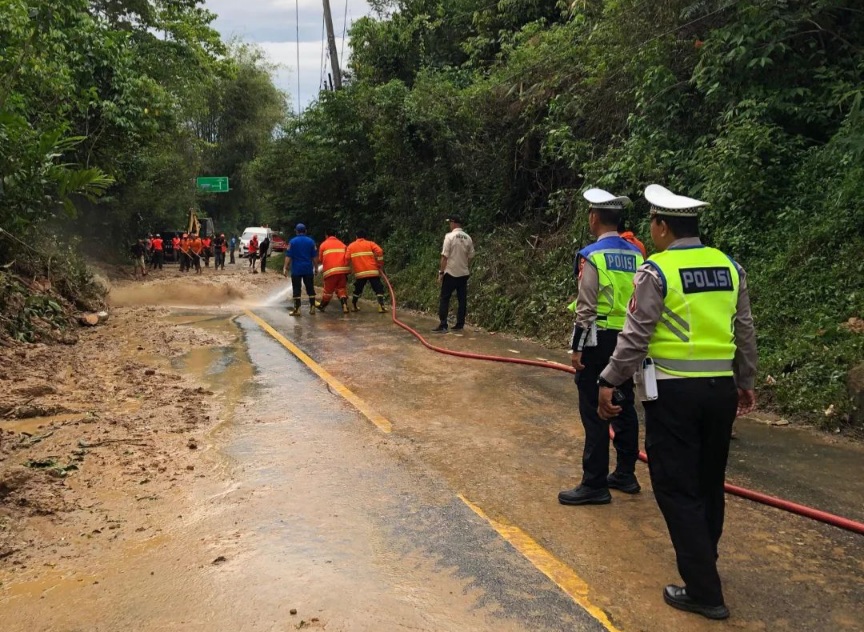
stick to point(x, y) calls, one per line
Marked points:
point(616, 261)
point(695, 336)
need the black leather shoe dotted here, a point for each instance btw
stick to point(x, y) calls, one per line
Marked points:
point(677, 597)
point(457, 328)
point(626, 483)
point(585, 496)
point(440, 329)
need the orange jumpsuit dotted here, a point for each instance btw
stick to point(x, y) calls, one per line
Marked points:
point(334, 260)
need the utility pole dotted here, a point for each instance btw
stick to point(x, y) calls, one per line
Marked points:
point(331, 41)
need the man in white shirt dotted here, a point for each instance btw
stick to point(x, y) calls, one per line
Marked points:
point(456, 256)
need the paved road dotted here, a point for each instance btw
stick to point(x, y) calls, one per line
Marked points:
point(434, 508)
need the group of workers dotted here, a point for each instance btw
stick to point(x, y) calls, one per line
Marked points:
point(190, 250)
point(675, 330)
point(363, 258)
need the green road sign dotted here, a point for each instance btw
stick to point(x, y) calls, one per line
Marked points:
point(212, 185)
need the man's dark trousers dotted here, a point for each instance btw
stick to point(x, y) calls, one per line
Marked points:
point(448, 285)
point(687, 433)
point(300, 280)
point(595, 458)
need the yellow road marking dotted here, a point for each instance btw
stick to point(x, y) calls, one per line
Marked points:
point(564, 577)
point(383, 424)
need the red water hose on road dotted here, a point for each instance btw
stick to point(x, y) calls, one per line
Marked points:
point(742, 492)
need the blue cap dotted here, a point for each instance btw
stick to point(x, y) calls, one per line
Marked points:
point(300, 228)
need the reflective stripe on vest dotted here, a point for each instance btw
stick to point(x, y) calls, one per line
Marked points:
point(367, 274)
point(337, 270)
point(695, 336)
point(616, 261)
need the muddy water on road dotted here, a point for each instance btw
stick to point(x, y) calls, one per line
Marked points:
point(304, 507)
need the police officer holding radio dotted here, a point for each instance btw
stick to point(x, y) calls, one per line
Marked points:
point(605, 270)
point(689, 322)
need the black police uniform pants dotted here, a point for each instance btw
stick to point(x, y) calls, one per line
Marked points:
point(449, 284)
point(305, 279)
point(595, 458)
point(687, 433)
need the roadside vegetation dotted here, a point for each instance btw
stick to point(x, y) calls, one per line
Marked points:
point(109, 109)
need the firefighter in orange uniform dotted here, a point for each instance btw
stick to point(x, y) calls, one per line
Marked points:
point(334, 260)
point(367, 261)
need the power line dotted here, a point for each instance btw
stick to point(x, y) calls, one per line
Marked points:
point(344, 28)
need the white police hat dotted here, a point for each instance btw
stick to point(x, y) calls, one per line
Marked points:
point(598, 198)
point(664, 202)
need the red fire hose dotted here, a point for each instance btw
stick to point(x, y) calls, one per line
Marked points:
point(765, 499)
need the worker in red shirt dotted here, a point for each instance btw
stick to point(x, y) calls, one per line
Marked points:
point(157, 246)
point(253, 253)
point(334, 260)
point(175, 244)
point(206, 249)
point(196, 246)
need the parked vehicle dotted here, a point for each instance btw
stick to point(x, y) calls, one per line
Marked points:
point(246, 237)
point(278, 243)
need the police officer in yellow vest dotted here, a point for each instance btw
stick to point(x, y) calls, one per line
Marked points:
point(690, 316)
point(605, 270)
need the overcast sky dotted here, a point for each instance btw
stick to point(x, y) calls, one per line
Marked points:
point(272, 24)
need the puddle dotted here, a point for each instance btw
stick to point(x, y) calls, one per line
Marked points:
point(39, 425)
point(226, 370)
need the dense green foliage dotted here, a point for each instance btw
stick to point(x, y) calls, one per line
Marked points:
point(506, 111)
point(109, 109)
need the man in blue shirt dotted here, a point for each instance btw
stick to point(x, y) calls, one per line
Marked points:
point(301, 258)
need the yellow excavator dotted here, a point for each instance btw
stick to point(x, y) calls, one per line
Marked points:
point(202, 226)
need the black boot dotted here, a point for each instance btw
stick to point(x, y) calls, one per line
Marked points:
point(626, 483)
point(583, 495)
point(344, 302)
point(677, 597)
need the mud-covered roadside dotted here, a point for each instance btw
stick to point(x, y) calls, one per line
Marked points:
point(99, 438)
